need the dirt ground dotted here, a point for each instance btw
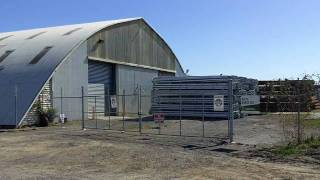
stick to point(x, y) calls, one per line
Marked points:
point(69, 153)
point(253, 130)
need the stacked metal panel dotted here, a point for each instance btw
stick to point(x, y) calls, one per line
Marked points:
point(193, 96)
point(189, 96)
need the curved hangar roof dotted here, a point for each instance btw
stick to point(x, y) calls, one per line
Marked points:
point(22, 75)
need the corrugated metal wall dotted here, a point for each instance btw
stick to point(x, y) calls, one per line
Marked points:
point(70, 77)
point(129, 79)
point(133, 42)
point(101, 73)
point(179, 70)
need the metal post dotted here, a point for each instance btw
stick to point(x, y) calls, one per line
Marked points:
point(123, 108)
point(180, 108)
point(95, 111)
point(299, 123)
point(140, 117)
point(82, 108)
point(299, 118)
point(230, 121)
point(16, 105)
point(109, 108)
point(61, 102)
point(159, 124)
point(202, 115)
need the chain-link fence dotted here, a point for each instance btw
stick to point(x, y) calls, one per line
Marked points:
point(112, 112)
point(297, 117)
point(133, 113)
point(129, 112)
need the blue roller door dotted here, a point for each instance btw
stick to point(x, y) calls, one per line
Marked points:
point(101, 80)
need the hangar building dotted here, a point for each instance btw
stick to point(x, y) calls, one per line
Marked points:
point(104, 57)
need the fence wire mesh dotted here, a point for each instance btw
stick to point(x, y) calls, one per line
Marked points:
point(298, 118)
point(132, 113)
point(115, 115)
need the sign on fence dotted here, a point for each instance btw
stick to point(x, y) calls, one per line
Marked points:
point(62, 117)
point(218, 103)
point(249, 100)
point(158, 118)
point(113, 100)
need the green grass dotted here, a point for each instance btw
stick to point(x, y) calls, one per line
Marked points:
point(312, 123)
point(298, 149)
point(286, 150)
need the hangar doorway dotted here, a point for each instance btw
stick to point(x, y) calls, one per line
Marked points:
point(101, 84)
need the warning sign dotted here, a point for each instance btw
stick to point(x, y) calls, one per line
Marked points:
point(113, 100)
point(158, 118)
point(218, 103)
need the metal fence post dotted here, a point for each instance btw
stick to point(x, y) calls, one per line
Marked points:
point(230, 121)
point(159, 124)
point(95, 111)
point(299, 117)
point(82, 107)
point(139, 112)
point(15, 105)
point(61, 102)
point(180, 109)
point(109, 108)
point(159, 128)
point(202, 115)
point(123, 108)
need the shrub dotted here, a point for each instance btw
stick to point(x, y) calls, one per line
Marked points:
point(51, 114)
point(45, 116)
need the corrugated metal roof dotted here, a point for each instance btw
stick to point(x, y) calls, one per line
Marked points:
point(30, 78)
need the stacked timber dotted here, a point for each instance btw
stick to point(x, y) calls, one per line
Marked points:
point(286, 95)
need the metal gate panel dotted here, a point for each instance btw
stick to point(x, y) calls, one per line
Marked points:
point(96, 100)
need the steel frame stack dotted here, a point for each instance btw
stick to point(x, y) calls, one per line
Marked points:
point(192, 96)
point(189, 96)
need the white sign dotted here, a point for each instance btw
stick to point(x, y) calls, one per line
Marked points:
point(113, 100)
point(249, 100)
point(218, 103)
point(62, 117)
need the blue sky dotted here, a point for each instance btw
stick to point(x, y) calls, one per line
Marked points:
point(267, 39)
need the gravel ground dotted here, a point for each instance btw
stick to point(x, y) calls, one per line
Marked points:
point(251, 130)
point(56, 153)
point(69, 153)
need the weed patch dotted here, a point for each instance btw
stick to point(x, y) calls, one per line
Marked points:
point(293, 149)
